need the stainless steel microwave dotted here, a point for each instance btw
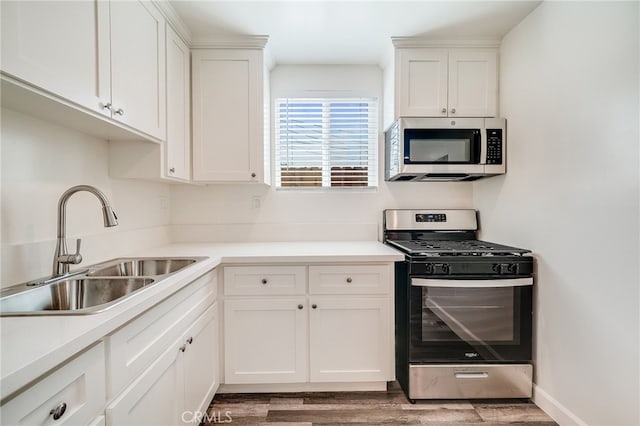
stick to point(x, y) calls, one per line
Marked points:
point(445, 149)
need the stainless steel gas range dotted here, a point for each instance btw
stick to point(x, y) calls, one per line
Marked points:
point(463, 308)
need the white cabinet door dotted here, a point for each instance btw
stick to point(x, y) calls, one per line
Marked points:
point(201, 362)
point(138, 66)
point(350, 339)
point(178, 146)
point(265, 340)
point(421, 85)
point(155, 398)
point(473, 83)
point(59, 46)
point(228, 115)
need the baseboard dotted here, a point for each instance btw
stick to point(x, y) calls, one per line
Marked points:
point(554, 409)
point(303, 387)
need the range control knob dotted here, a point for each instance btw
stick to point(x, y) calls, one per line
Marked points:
point(429, 268)
point(445, 268)
point(512, 268)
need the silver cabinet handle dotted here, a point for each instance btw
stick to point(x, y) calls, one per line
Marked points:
point(172, 170)
point(349, 280)
point(443, 110)
point(119, 111)
point(453, 111)
point(58, 411)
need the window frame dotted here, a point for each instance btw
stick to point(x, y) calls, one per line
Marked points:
point(328, 180)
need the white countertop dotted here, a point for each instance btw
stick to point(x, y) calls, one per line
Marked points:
point(31, 346)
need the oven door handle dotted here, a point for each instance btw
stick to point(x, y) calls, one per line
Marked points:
point(499, 282)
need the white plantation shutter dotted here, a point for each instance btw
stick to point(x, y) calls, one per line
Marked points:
point(326, 142)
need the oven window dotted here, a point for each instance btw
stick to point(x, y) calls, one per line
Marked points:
point(468, 314)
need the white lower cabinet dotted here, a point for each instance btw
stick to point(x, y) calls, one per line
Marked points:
point(177, 386)
point(153, 399)
point(349, 339)
point(265, 340)
point(73, 394)
point(162, 367)
point(342, 335)
point(200, 365)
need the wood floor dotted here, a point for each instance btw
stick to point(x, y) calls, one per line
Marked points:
point(367, 408)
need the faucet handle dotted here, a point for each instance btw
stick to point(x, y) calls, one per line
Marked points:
point(76, 257)
point(72, 258)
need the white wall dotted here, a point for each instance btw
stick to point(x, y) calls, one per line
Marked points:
point(569, 82)
point(230, 212)
point(40, 161)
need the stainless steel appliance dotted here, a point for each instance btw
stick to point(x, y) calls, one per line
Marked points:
point(463, 308)
point(445, 149)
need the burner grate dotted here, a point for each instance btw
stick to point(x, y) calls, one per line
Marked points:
point(459, 247)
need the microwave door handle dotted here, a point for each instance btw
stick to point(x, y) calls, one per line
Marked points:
point(489, 283)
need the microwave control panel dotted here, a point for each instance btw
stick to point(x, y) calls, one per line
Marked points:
point(494, 146)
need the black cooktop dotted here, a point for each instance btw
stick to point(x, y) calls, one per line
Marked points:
point(455, 247)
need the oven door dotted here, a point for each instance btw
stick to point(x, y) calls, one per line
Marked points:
point(484, 320)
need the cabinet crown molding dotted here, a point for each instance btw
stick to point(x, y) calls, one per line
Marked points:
point(174, 19)
point(406, 42)
point(231, 42)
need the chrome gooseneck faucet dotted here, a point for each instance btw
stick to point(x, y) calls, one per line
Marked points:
point(62, 259)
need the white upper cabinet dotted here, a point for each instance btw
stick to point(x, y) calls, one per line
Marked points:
point(177, 162)
point(104, 57)
point(59, 46)
point(436, 82)
point(421, 85)
point(228, 115)
point(138, 66)
point(473, 83)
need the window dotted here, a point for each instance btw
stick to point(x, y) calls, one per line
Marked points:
point(326, 142)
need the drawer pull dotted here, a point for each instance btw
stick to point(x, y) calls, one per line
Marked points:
point(59, 411)
point(471, 374)
point(300, 306)
point(183, 348)
point(264, 281)
point(190, 340)
point(349, 280)
point(314, 306)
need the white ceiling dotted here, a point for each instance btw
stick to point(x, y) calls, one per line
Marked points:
point(353, 32)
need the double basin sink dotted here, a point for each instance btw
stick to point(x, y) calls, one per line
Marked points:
point(91, 290)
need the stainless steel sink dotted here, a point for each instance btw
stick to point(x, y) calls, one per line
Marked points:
point(92, 290)
point(140, 267)
point(72, 296)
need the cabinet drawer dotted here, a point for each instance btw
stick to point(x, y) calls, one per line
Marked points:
point(135, 346)
point(264, 280)
point(80, 384)
point(349, 279)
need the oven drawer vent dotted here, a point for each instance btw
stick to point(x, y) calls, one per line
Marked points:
point(465, 381)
